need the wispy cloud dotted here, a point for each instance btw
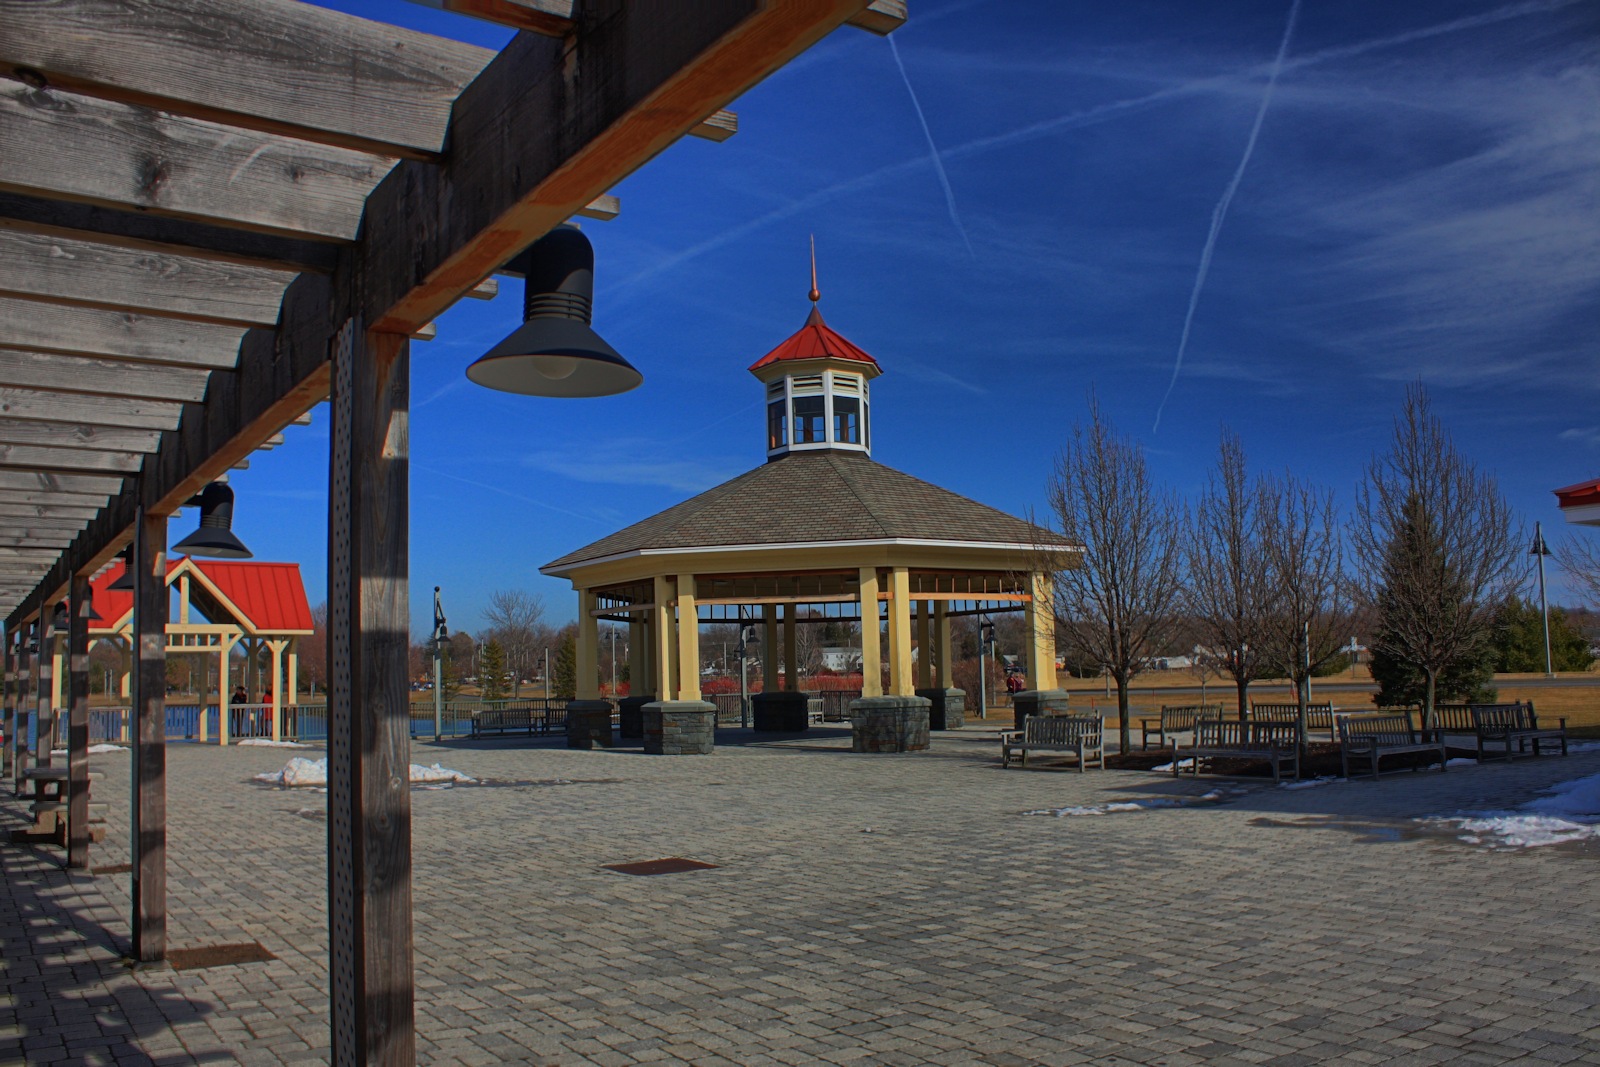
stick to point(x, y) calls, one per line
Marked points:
point(1588, 436)
point(523, 497)
point(933, 149)
point(631, 461)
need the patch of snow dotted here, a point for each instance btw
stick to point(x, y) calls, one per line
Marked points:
point(1110, 807)
point(305, 772)
point(1166, 768)
point(1309, 783)
point(267, 742)
point(94, 750)
point(1567, 812)
point(1461, 761)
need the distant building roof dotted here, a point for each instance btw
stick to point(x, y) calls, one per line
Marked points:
point(1580, 503)
point(269, 596)
point(846, 497)
point(815, 340)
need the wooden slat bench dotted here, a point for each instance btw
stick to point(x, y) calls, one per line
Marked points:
point(510, 721)
point(1175, 719)
point(1508, 723)
point(1277, 743)
point(1318, 716)
point(1078, 735)
point(1372, 737)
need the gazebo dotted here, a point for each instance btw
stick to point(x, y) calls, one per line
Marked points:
point(820, 532)
point(221, 605)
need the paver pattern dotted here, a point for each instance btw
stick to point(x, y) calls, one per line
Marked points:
point(867, 909)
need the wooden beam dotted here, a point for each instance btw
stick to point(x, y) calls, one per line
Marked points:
point(116, 334)
point(24, 534)
point(49, 371)
point(65, 483)
point(603, 208)
point(429, 331)
point(369, 710)
point(77, 435)
point(33, 496)
point(79, 607)
point(107, 411)
point(165, 235)
point(54, 269)
point(26, 515)
point(626, 87)
point(65, 146)
point(290, 68)
point(70, 460)
point(552, 18)
point(719, 126)
point(149, 814)
point(881, 17)
point(487, 289)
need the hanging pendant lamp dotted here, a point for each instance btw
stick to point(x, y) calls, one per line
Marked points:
point(555, 352)
point(215, 536)
point(124, 581)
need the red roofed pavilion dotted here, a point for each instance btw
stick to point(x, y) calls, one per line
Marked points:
point(1580, 503)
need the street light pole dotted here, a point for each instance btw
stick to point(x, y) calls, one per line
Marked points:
point(441, 633)
point(1540, 550)
point(613, 661)
point(547, 677)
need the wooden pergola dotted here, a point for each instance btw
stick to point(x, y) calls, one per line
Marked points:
point(215, 214)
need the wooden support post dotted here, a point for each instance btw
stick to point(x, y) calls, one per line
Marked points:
point(924, 648)
point(791, 674)
point(688, 640)
point(58, 677)
point(149, 814)
point(941, 626)
point(871, 635)
point(44, 655)
point(293, 683)
point(78, 723)
point(276, 711)
point(369, 712)
point(638, 644)
point(900, 683)
point(19, 741)
point(769, 648)
point(8, 750)
point(1041, 621)
point(587, 666)
point(661, 644)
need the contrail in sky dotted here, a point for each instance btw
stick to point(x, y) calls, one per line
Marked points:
point(933, 149)
point(1220, 212)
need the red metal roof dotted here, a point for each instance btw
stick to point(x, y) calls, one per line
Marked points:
point(815, 340)
point(1580, 495)
point(270, 596)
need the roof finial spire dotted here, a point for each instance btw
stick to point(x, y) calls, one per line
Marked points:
point(815, 294)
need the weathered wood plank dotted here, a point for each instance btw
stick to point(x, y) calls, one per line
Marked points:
point(149, 814)
point(76, 435)
point(290, 67)
point(626, 86)
point(30, 458)
point(50, 371)
point(24, 535)
point(166, 235)
point(881, 17)
point(58, 270)
point(65, 483)
point(718, 126)
point(69, 147)
point(129, 412)
point(116, 334)
point(602, 208)
point(34, 496)
point(46, 516)
point(552, 18)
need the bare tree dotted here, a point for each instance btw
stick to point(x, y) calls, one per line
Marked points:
point(1580, 559)
point(1311, 608)
point(514, 617)
point(1437, 545)
point(1229, 590)
point(1116, 601)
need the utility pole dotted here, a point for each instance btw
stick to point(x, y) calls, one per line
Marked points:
point(441, 634)
point(1540, 550)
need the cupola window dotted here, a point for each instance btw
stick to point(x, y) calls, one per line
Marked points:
point(847, 420)
point(777, 425)
point(810, 415)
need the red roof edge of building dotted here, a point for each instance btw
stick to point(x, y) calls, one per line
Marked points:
point(1578, 495)
point(815, 340)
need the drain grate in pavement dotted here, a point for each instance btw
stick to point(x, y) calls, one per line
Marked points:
point(191, 959)
point(113, 868)
point(672, 865)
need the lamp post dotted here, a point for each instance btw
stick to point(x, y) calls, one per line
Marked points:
point(1540, 550)
point(613, 661)
point(746, 635)
point(547, 678)
point(985, 647)
point(441, 634)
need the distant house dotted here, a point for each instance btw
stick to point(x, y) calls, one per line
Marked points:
point(844, 660)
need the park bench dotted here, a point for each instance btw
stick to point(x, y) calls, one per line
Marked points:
point(1508, 723)
point(46, 788)
point(1318, 716)
point(1079, 735)
point(1277, 743)
point(1175, 719)
point(509, 721)
point(1372, 737)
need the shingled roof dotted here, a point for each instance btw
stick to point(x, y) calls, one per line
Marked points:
point(815, 497)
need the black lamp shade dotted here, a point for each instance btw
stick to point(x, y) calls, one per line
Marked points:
point(555, 352)
point(215, 536)
point(124, 581)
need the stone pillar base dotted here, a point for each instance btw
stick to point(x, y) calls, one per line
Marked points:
point(588, 724)
point(948, 710)
point(680, 727)
point(630, 717)
point(1039, 702)
point(889, 724)
point(780, 712)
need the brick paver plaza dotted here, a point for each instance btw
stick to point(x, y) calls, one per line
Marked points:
point(864, 909)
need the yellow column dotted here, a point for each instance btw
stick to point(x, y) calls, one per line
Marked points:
point(638, 676)
point(941, 626)
point(58, 674)
point(661, 638)
point(183, 599)
point(900, 683)
point(1041, 619)
point(769, 648)
point(924, 648)
point(688, 640)
point(277, 688)
point(791, 676)
point(224, 668)
point(588, 657)
point(871, 636)
point(294, 671)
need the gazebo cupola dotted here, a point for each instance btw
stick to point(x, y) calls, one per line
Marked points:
point(817, 390)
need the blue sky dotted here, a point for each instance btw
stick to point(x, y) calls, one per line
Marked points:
point(1420, 203)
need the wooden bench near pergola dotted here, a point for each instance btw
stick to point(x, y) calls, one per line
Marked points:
point(820, 532)
point(215, 214)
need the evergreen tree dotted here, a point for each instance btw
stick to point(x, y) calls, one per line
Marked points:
point(492, 671)
point(564, 671)
point(1463, 681)
point(1518, 640)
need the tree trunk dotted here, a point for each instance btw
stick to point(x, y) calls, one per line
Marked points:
point(1124, 724)
point(1302, 697)
point(1427, 700)
point(1243, 685)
